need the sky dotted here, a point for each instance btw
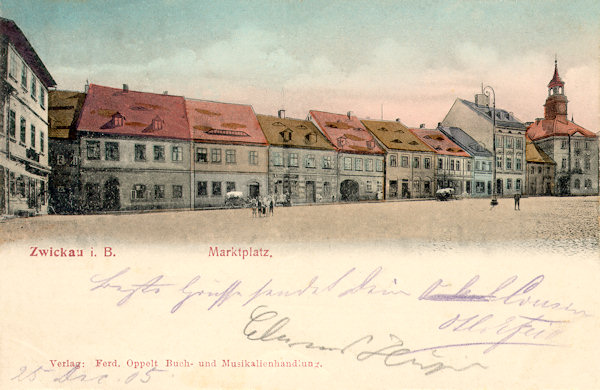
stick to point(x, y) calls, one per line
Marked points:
point(406, 59)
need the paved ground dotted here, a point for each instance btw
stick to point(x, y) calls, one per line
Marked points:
point(545, 221)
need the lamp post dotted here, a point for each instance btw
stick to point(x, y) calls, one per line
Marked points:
point(487, 90)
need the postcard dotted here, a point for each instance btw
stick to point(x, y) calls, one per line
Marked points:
point(279, 218)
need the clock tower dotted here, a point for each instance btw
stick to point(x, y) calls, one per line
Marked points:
point(556, 103)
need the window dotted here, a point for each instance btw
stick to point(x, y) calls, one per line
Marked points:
point(358, 164)
point(253, 158)
point(518, 164)
point(24, 76)
point(202, 188)
point(458, 165)
point(539, 170)
point(416, 185)
point(587, 145)
point(393, 160)
point(33, 88)
point(518, 144)
point(177, 191)
point(293, 160)
point(379, 186)
point(508, 142)
point(13, 65)
point(23, 130)
point(563, 144)
point(111, 151)
point(499, 161)
point(479, 187)
point(587, 163)
point(215, 156)
point(404, 162)
point(42, 140)
point(140, 152)
point(369, 164)
point(588, 183)
point(440, 163)
point(379, 165)
point(369, 186)
point(201, 155)
point(159, 191)
point(468, 166)
point(416, 162)
point(230, 186)
point(427, 163)
point(176, 153)
point(499, 141)
point(93, 150)
point(230, 156)
point(347, 163)
point(326, 189)
point(138, 192)
point(451, 165)
point(508, 184)
point(564, 163)
point(309, 161)
point(508, 162)
point(577, 163)
point(32, 134)
point(216, 188)
point(477, 165)
point(327, 162)
point(577, 145)
point(11, 123)
point(42, 96)
point(576, 184)
point(277, 159)
point(518, 184)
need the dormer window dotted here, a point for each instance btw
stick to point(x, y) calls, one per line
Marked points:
point(341, 141)
point(157, 123)
point(370, 144)
point(118, 119)
point(311, 138)
point(286, 135)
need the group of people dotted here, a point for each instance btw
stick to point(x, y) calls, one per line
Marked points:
point(262, 206)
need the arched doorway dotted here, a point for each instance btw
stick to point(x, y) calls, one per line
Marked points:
point(112, 196)
point(349, 190)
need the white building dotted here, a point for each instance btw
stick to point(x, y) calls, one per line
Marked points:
point(24, 165)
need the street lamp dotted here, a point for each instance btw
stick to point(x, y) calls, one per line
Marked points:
point(487, 90)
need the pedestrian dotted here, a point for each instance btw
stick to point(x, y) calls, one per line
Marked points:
point(259, 207)
point(517, 201)
point(254, 206)
point(271, 206)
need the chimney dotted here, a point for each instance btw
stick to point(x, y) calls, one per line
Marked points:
point(86, 89)
point(349, 114)
point(482, 100)
point(397, 119)
point(422, 126)
point(125, 88)
point(165, 92)
point(281, 113)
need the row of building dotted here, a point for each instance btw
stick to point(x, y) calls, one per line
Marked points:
point(118, 149)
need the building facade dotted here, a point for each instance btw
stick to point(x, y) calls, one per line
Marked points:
point(230, 152)
point(302, 163)
point(134, 151)
point(64, 108)
point(453, 165)
point(540, 171)
point(573, 148)
point(360, 159)
point(409, 165)
point(481, 122)
point(481, 168)
point(24, 167)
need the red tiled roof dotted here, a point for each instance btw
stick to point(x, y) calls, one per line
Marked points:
point(439, 142)
point(559, 126)
point(223, 122)
point(347, 134)
point(142, 114)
